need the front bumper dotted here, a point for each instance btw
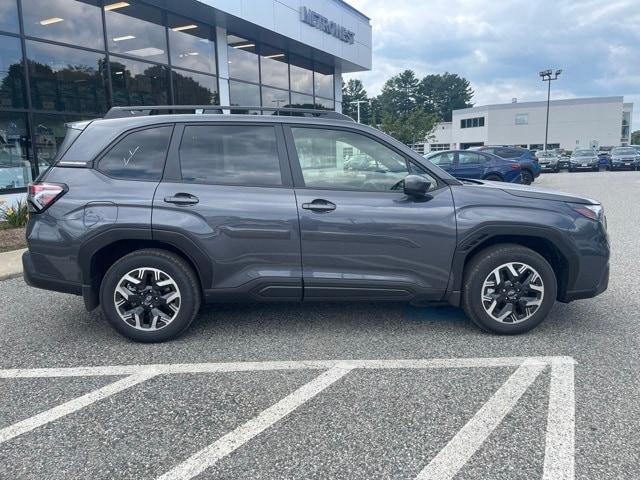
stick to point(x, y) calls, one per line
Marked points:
point(549, 167)
point(600, 287)
point(623, 165)
point(583, 166)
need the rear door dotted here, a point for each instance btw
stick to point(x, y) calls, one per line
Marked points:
point(469, 165)
point(227, 195)
point(362, 237)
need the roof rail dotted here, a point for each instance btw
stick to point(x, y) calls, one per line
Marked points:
point(144, 110)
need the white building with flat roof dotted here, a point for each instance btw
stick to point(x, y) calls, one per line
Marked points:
point(573, 123)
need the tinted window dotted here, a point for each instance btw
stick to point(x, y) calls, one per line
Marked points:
point(230, 154)
point(301, 75)
point(11, 73)
point(49, 133)
point(139, 83)
point(470, 158)
point(9, 16)
point(508, 153)
point(67, 21)
point(243, 59)
point(245, 94)
point(274, 68)
point(347, 160)
point(194, 88)
point(273, 97)
point(64, 78)
point(136, 30)
point(138, 156)
point(191, 46)
point(323, 81)
point(15, 167)
point(298, 100)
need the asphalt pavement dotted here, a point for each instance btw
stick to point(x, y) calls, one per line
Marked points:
point(268, 411)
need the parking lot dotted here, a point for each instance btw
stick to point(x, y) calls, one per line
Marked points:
point(332, 390)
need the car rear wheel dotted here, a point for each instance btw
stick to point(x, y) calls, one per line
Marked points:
point(150, 295)
point(527, 177)
point(508, 289)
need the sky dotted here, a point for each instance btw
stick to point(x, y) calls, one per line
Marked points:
point(501, 45)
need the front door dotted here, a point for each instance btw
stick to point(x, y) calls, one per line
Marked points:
point(227, 192)
point(362, 237)
point(469, 165)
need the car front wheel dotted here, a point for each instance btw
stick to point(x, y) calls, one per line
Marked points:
point(150, 295)
point(508, 289)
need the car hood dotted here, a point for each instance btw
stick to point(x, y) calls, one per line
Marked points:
point(527, 191)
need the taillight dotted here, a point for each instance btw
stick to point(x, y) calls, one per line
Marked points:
point(515, 166)
point(41, 195)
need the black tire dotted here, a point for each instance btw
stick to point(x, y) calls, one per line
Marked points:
point(527, 177)
point(179, 271)
point(493, 178)
point(481, 266)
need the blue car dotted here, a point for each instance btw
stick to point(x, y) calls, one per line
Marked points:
point(478, 165)
point(527, 160)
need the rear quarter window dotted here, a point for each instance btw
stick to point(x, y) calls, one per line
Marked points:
point(140, 155)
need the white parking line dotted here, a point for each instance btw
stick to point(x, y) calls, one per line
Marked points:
point(559, 448)
point(470, 438)
point(71, 406)
point(233, 440)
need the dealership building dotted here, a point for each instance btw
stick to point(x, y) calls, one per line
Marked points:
point(573, 123)
point(69, 60)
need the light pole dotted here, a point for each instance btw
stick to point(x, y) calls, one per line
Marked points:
point(358, 102)
point(546, 77)
point(277, 102)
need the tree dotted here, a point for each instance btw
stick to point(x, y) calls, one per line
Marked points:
point(441, 94)
point(410, 128)
point(635, 138)
point(351, 92)
point(399, 94)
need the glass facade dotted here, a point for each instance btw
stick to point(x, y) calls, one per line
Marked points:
point(70, 60)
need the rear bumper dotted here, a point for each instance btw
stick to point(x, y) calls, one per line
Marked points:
point(32, 279)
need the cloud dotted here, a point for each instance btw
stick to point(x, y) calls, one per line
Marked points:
point(500, 46)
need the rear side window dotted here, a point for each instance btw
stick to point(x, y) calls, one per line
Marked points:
point(231, 155)
point(138, 156)
point(508, 153)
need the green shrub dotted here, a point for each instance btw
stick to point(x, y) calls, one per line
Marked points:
point(15, 216)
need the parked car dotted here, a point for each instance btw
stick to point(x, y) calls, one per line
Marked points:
point(604, 159)
point(583, 159)
point(549, 161)
point(480, 165)
point(528, 161)
point(624, 158)
point(148, 216)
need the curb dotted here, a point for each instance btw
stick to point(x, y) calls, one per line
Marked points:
point(11, 264)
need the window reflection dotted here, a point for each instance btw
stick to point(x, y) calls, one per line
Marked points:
point(301, 75)
point(67, 21)
point(299, 100)
point(191, 45)
point(64, 78)
point(15, 154)
point(244, 94)
point(324, 103)
point(9, 16)
point(274, 69)
point(323, 81)
point(136, 30)
point(49, 132)
point(11, 73)
point(139, 83)
point(274, 97)
point(194, 88)
point(243, 59)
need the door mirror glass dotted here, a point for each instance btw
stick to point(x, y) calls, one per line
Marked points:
point(416, 186)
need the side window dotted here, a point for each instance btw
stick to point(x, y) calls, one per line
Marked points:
point(138, 156)
point(443, 159)
point(230, 154)
point(507, 153)
point(468, 158)
point(347, 160)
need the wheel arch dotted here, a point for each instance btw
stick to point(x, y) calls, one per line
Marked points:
point(98, 254)
point(546, 242)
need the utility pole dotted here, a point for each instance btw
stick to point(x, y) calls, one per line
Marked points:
point(277, 102)
point(358, 102)
point(546, 77)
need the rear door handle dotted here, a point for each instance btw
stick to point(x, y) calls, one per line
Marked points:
point(182, 199)
point(319, 205)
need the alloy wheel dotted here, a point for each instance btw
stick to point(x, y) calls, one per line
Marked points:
point(512, 293)
point(147, 299)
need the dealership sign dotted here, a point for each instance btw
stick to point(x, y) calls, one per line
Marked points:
point(321, 22)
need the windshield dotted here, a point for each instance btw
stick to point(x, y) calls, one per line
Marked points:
point(624, 151)
point(583, 153)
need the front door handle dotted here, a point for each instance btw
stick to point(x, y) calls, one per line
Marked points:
point(319, 205)
point(182, 199)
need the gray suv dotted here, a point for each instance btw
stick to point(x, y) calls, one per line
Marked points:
point(150, 215)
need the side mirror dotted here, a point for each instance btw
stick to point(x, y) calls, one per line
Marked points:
point(416, 186)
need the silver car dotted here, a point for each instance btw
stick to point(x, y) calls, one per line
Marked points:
point(549, 161)
point(583, 160)
point(624, 158)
